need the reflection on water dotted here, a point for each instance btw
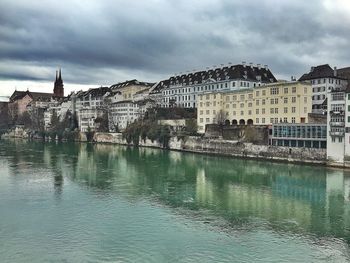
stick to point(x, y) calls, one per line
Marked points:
point(307, 201)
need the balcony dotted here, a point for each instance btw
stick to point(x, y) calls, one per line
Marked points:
point(337, 123)
point(337, 133)
point(337, 112)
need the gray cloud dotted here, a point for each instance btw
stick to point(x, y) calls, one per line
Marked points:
point(106, 41)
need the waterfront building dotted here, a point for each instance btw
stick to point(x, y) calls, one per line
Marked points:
point(323, 79)
point(60, 107)
point(338, 125)
point(128, 102)
point(182, 90)
point(129, 88)
point(306, 135)
point(282, 102)
point(90, 105)
point(22, 101)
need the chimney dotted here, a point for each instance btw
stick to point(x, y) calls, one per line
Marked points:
point(259, 66)
point(266, 67)
point(335, 73)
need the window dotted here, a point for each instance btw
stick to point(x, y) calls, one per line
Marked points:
point(294, 89)
point(234, 113)
point(272, 101)
point(250, 96)
point(274, 91)
point(257, 102)
point(207, 120)
point(250, 104)
point(257, 120)
point(234, 105)
point(340, 139)
point(294, 99)
point(249, 112)
point(241, 105)
point(293, 109)
point(263, 111)
point(285, 119)
point(305, 99)
point(272, 110)
point(333, 139)
point(263, 101)
point(207, 112)
point(276, 100)
point(242, 112)
point(257, 111)
point(201, 120)
point(305, 90)
point(257, 93)
point(293, 119)
point(305, 109)
point(285, 100)
point(285, 90)
point(234, 97)
point(276, 110)
point(285, 110)
point(214, 103)
point(201, 112)
point(242, 97)
point(263, 92)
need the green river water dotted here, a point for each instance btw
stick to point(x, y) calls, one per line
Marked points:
point(105, 203)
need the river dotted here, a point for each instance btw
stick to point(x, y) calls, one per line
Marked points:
point(106, 203)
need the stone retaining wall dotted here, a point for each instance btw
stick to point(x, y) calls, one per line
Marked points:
point(228, 148)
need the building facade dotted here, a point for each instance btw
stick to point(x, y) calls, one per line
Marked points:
point(283, 102)
point(182, 90)
point(307, 135)
point(323, 79)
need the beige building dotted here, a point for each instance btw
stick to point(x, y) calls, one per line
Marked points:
point(129, 88)
point(282, 102)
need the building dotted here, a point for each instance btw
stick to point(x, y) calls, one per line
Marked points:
point(323, 79)
point(337, 122)
point(129, 88)
point(182, 90)
point(128, 102)
point(306, 135)
point(58, 90)
point(89, 105)
point(22, 101)
point(282, 102)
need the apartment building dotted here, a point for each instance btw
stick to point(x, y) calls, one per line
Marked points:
point(282, 102)
point(182, 90)
point(323, 79)
point(338, 124)
point(129, 88)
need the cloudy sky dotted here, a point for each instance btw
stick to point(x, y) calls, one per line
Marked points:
point(102, 42)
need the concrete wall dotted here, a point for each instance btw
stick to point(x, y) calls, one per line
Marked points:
point(228, 148)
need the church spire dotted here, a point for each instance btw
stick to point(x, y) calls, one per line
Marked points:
point(60, 75)
point(56, 75)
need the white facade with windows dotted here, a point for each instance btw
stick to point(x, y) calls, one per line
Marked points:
point(182, 90)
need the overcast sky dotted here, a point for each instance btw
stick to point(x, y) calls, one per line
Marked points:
point(102, 42)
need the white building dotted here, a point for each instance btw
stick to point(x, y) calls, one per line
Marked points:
point(90, 105)
point(182, 90)
point(338, 125)
point(323, 79)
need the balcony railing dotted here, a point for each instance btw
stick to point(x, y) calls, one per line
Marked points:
point(336, 112)
point(337, 133)
point(337, 123)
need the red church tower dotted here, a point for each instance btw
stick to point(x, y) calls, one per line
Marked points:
point(58, 90)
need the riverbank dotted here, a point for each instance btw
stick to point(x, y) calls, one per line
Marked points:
point(201, 145)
